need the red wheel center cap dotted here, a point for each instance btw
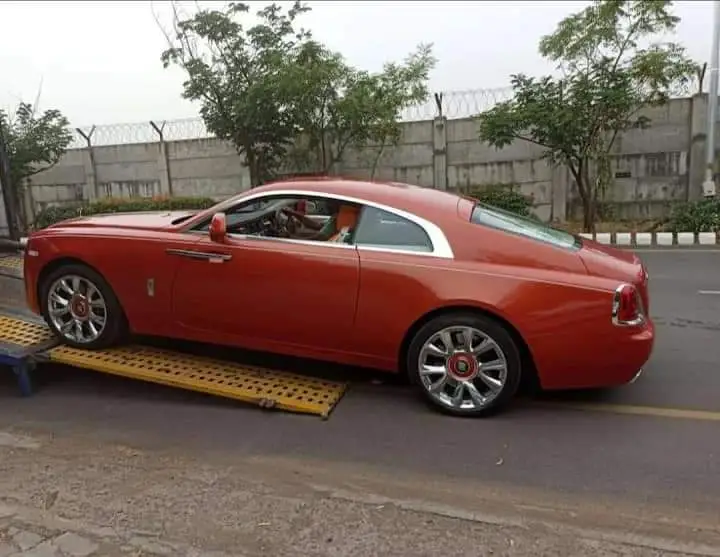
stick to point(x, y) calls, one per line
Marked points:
point(462, 366)
point(79, 307)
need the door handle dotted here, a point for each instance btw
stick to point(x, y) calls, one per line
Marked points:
point(212, 257)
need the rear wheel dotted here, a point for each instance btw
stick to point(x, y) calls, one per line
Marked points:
point(81, 308)
point(465, 364)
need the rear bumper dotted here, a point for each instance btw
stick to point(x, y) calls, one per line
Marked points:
point(611, 364)
point(633, 353)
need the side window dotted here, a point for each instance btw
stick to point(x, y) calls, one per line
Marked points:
point(382, 229)
point(248, 212)
point(315, 218)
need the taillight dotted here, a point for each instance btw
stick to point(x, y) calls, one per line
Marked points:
point(643, 275)
point(627, 307)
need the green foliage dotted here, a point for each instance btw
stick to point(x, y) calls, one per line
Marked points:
point(607, 80)
point(243, 77)
point(54, 214)
point(503, 197)
point(341, 106)
point(698, 216)
point(34, 142)
point(266, 85)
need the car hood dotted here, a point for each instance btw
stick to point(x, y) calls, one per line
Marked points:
point(149, 220)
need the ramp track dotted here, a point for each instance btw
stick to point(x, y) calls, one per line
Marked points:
point(24, 343)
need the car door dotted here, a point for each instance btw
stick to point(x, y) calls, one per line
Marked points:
point(254, 290)
point(396, 251)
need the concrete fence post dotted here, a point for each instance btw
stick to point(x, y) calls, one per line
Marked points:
point(439, 135)
point(559, 193)
point(163, 160)
point(696, 145)
point(91, 192)
point(29, 204)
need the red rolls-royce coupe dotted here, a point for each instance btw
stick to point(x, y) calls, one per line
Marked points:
point(463, 298)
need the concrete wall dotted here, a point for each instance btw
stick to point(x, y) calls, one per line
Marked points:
point(654, 167)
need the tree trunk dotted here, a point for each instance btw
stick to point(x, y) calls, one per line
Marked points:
point(588, 214)
point(9, 189)
point(376, 161)
point(252, 164)
point(581, 175)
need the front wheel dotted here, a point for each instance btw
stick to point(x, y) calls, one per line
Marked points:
point(81, 309)
point(465, 364)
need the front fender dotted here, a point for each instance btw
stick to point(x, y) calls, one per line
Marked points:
point(43, 253)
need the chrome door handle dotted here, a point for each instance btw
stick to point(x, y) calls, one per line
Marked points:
point(202, 255)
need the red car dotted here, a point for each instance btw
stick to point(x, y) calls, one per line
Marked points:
point(464, 298)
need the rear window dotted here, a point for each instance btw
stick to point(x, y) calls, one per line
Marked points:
point(522, 226)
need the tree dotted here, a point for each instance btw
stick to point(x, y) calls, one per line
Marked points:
point(242, 77)
point(343, 106)
point(275, 92)
point(32, 143)
point(608, 78)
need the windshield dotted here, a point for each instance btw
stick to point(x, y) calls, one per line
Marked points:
point(523, 226)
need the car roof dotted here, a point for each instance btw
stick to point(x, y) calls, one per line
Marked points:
point(428, 203)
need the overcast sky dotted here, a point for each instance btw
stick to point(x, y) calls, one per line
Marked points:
point(99, 62)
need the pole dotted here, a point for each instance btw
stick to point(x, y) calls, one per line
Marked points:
point(709, 184)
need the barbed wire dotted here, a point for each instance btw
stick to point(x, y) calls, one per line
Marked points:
point(453, 104)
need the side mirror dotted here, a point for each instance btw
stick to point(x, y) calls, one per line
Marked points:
point(217, 228)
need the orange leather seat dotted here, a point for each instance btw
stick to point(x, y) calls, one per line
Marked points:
point(346, 221)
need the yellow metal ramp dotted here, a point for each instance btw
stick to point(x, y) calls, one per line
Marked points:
point(25, 334)
point(264, 387)
point(21, 338)
point(11, 263)
point(21, 341)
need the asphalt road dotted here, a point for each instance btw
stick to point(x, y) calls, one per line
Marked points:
point(669, 456)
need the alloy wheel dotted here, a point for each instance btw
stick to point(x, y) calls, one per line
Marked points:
point(77, 309)
point(462, 368)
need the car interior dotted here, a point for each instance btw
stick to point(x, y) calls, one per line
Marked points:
point(358, 224)
point(268, 218)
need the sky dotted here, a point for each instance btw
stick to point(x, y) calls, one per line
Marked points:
point(99, 62)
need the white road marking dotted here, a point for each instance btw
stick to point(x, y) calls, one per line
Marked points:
point(709, 292)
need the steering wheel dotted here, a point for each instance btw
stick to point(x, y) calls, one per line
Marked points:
point(285, 223)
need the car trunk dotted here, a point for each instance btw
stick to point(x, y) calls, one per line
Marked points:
point(623, 265)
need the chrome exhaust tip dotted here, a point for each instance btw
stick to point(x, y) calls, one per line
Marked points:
point(636, 377)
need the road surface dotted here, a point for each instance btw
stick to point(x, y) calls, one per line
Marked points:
point(646, 450)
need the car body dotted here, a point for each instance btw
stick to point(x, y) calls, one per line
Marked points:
point(464, 298)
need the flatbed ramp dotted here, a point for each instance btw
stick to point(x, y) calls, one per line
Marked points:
point(11, 264)
point(266, 388)
point(20, 342)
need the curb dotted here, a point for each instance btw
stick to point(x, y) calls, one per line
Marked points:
point(654, 238)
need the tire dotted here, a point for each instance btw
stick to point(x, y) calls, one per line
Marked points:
point(95, 334)
point(497, 364)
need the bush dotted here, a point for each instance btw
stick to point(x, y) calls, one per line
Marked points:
point(504, 198)
point(696, 216)
point(51, 215)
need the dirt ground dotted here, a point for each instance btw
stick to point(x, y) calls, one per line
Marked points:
point(78, 495)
